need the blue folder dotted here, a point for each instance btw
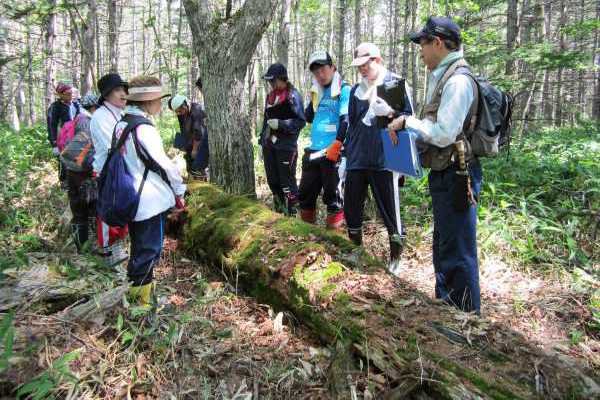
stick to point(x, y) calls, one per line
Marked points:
point(403, 157)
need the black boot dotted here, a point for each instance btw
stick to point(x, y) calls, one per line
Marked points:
point(356, 236)
point(291, 203)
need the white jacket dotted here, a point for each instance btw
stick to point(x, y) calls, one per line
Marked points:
point(156, 196)
point(102, 125)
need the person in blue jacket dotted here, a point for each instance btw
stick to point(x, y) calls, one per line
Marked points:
point(327, 111)
point(282, 123)
point(364, 150)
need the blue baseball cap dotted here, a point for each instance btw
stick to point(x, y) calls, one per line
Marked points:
point(441, 27)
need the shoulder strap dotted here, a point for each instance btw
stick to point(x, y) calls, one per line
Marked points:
point(472, 116)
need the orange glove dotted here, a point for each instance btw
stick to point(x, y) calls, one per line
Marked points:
point(333, 152)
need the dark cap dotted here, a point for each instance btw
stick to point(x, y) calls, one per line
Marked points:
point(318, 58)
point(108, 83)
point(442, 27)
point(275, 71)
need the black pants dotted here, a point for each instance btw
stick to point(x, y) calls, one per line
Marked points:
point(317, 175)
point(355, 194)
point(280, 168)
point(82, 200)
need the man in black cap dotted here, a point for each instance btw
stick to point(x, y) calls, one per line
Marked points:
point(328, 114)
point(113, 92)
point(451, 102)
point(282, 123)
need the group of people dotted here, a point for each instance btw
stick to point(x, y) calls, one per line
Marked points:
point(344, 159)
point(346, 156)
point(82, 132)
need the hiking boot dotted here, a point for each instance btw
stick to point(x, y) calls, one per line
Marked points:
point(309, 216)
point(355, 236)
point(335, 220)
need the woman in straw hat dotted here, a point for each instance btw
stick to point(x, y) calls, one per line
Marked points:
point(162, 189)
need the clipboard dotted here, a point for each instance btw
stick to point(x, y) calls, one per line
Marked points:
point(394, 93)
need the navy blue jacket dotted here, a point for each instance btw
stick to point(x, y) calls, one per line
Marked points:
point(364, 147)
point(58, 115)
point(291, 121)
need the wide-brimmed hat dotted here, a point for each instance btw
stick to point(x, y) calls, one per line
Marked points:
point(364, 52)
point(146, 93)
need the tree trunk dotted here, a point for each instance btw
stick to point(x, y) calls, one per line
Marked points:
point(406, 47)
point(113, 36)
point(283, 37)
point(341, 35)
point(231, 153)
point(511, 34)
point(134, 39)
point(4, 57)
point(178, 53)
point(75, 61)
point(88, 31)
point(330, 26)
point(596, 57)
point(49, 54)
point(30, 92)
point(99, 55)
point(546, 88)
point(560, 103)
point(422, 348)
point(413, 55)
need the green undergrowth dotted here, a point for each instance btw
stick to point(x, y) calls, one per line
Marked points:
point(29, 206)
point(539, 203)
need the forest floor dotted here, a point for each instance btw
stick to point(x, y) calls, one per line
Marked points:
point(212, 341)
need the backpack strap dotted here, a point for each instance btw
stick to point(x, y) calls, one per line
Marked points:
point(473, 114)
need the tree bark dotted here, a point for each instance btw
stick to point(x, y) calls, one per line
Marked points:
point(30, 92)
point(423, 349)
point(596, 58)
point(406, 47)
point(223, 57)
point(4, 57)
point(512, 30)
point(341, 35)
point(546, 88)
point(113, 36)
point(88, 32)
point(559, 104)
point(283, 37)
point(49, 54)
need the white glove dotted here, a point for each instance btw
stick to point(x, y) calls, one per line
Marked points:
point(55, 151)
point(368, 117)
point(381, 108)
point(273, 124)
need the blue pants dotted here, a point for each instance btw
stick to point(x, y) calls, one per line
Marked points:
point(200, 163)
point(146, 245)
point(455, 241)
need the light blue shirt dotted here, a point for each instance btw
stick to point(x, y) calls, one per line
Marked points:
point(327, 118)
point(457, 97)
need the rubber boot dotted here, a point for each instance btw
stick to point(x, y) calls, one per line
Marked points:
point(291, 203)
point(309, 216)
point(142, 295)
point(335, 220)
point(396, 246)
point(80, 235)
point(355, 236)
point(115, 254)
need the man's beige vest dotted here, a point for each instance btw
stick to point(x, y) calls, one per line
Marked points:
point(440, 158)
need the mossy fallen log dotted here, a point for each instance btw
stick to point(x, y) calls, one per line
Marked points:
point(422, 347)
